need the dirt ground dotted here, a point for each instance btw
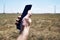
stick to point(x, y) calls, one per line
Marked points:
point(43, 27)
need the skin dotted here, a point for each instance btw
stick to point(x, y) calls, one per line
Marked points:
point(26, 26)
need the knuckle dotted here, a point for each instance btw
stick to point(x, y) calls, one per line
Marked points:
point(16, 23)
point(19, 17)
point(17, 20)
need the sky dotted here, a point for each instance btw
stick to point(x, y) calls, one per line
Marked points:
point(38, 6)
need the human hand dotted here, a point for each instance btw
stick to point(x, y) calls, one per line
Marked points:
point(26, 21)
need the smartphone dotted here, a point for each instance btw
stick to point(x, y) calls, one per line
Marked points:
point(25, 12)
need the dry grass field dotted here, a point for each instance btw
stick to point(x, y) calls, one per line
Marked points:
point(43, 27)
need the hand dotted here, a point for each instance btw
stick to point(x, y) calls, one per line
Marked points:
point(26, 20)
point(26, 25)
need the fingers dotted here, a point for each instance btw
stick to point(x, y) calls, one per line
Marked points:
point(26, 20)
point(17, 20)
point(19, 17)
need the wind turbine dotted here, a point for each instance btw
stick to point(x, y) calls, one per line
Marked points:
point(4, 7)
point(55, 9)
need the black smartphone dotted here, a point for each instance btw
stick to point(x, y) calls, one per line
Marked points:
point(25, 12)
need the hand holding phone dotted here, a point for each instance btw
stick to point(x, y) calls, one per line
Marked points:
point(25, 12)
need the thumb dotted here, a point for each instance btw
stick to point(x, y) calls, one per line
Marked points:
point(29, 14)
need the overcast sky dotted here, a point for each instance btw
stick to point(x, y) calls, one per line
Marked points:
point(38, 6)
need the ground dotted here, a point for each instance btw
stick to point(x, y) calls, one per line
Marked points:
point(43, 27)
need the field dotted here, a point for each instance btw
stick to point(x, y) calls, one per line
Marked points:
point(43, 27)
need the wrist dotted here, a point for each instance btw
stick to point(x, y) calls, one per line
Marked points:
point(26, 31)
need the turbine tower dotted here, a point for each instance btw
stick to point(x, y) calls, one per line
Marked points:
point(4, 7)
point(55, 9)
